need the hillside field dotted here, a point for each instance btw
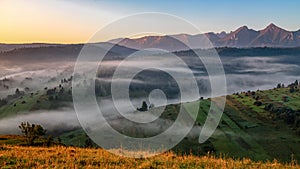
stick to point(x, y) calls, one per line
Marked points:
point(260, 125)
point(71, 157)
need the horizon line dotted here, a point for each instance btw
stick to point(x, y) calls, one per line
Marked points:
point(82, 42)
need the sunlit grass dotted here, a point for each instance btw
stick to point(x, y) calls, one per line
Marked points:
point(69, 157)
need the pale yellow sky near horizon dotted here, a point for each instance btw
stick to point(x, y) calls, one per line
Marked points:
point(32, 22)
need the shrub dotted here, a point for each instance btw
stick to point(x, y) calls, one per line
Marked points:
point(31, 132)
point(258, 103)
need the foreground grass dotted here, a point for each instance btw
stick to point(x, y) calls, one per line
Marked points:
point(69, 157)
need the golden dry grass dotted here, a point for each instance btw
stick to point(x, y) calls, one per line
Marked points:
point(69, 157)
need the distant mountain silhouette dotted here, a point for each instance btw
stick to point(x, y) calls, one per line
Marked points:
point(62, 52)
point(243, 37)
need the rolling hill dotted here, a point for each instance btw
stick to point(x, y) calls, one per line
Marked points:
point(260, 125)
point(60, 52)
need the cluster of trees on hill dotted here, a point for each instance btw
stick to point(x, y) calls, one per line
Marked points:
point(60, 93)
point(18, 94)
point(5, 83)
point(294, 87)
point(9, 83)
point(254, 51)
point(289, 115)
point(279, 111)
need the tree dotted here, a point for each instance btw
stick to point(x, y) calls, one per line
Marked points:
point(258, 103)
point(296, 83)
point(17, 91)
point(31, 132)
point(292, 89)
point(278, 85)
point(144, 107)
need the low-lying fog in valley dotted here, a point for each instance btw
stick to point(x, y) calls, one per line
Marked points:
point(242, 73)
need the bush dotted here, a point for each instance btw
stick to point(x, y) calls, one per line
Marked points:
point(258, 103)
point(269, 107)
point(292, 89)
point(278, 85)
point(285, 98)
point(31, 132)
point(49, 141)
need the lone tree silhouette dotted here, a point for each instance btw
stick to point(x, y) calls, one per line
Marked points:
point(296, 83)
point(31, 132)
point(144, 107)
point(17, 92)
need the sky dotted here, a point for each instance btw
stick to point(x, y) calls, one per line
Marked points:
point(76, 21)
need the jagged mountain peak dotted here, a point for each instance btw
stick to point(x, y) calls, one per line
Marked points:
point(221, 34)
point(243, 37)
point(243, 28)
point(273, 27)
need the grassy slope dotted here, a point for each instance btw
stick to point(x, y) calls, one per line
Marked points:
point(69, 157)
point(76, 138)
point(11, 140)
point(16, 106)
point(246, 130)
point(37, 101)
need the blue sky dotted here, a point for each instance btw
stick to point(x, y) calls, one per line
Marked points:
point(217, 15)
point(76, 20)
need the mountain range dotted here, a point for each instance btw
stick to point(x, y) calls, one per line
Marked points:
point(243, 37)
point(271, 36)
